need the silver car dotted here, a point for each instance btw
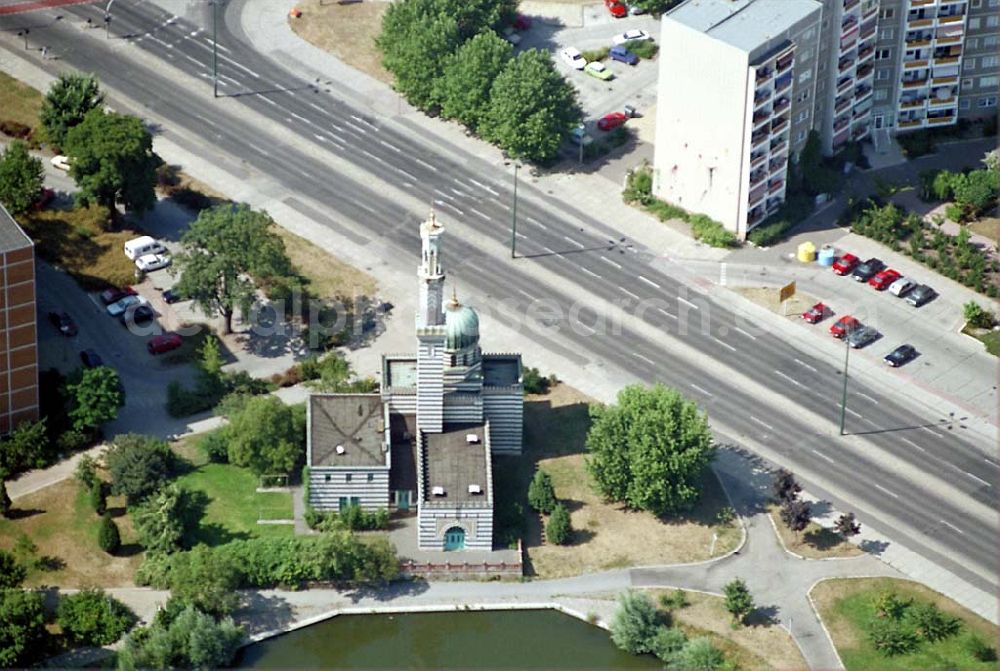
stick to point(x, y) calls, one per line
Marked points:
point(862, 336)
point(119, 307)
point(902, 286)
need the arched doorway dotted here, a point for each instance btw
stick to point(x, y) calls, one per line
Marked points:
point(454, 539)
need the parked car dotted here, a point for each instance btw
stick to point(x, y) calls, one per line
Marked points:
point(845, 264)
point(900, 355)
point(616, 8)
point(143, 245)
point(140, 315)
point(170, 296)
point(630, 36)
point(573, 58)
point(611, 121)
point(866, 270)
point(623, 55)
point(151, 262)
point(920, 295)
point(91, 359)
point(61, 162)
point(64, 323)
point(118, 308)
point(164, 343)
point(843, 326)
point(45, 197)
point(883, 279)
point(815, 314)
point(902, 286)
point(599, 70)
point(115, 294)
point(636, 10)
point(860, 337)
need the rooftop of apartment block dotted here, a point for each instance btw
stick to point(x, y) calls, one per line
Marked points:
point(11, 235)
point(744, 24)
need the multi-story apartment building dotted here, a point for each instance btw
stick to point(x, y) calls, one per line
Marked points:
point(742, 82)
point(18, 342)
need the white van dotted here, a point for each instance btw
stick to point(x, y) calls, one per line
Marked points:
point(143, 245)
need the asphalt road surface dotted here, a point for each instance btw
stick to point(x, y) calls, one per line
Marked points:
point(956, 527)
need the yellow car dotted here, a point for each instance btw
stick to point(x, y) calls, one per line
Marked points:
point(598, 69)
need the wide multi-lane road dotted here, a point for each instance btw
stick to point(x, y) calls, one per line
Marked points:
point(934, 488)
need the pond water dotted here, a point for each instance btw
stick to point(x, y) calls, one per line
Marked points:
point(535, 639)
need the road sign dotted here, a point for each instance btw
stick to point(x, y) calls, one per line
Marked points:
point(787, 292)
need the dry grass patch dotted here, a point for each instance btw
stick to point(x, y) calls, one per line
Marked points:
point(768, 297)
point(606, 535)
point(988, 227)
point(756, 646)
point(346, 31)
point(328, 276)
point(61, 523)
point(845, 605)
point(19, 102)
point(815, 541)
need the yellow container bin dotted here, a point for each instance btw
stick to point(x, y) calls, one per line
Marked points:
point(807, 252)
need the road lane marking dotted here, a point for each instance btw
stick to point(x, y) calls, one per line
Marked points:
point(372, 156)
point(932, 432)
point(390, 146)
point(649, 282)
point(823, 456)
point(863, 395)
point(424, 163)
point(551, 251)
point(590, 272)
point(525, 293)
point(479, 214)
point(976, 477)
point(572, 241)
point(400, 170)
point(762, 423)
point(624, 290)
point(853, 412)
point(949, 524)
point(914, 444)
point(268, 101)
point(662, 311)
point(300, 117)
point(644, 358)
point(724, 344)
point(445, 203)
point(460, 194)
point(258, 149)
point(537, 223)
point(688, 303)
point(589, 329)
point(748, 335)
point(699, 389)
point(484, 187)
point(607, 260)
point(804, 364)
point(443, 194)
point(364, 121)
point(789, 378)
point(887, 491)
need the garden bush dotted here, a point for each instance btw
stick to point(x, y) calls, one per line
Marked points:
point(536, 383)
point(98, 497)
point(711, 232)
point(596, 54)
point(892, 637)
point(215, 445)
point(980, 649)
point(559, 529)
point(108, 537)
point(92, 617)
point(774, 229)
point(643, 48)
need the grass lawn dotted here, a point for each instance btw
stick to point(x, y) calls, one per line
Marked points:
point(234, 505)
point(328, 276)
point(19, 102)
point(762, 645)
point(75, 240)
point(845, 606)
point(605, 534)
point(346, 31)
point(990, 339)
point(988, 227)
point(814, 542)
point(60, 521)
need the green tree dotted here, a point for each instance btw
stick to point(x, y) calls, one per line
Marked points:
point(21, 178)
point(655, 6)
point(25, 448)
point(95, 398)
point(265, 437)
point(66, 104)
point(847, 525)
point(167, 518)
point(977, 315)
point(892, 637)
point(796, 515)
point(22, 627)
point(889, 605)
point(93, 617)
point(86, 471)
point(463, 89)
point(108, 537)
point(541, 494)
point(739, 601)
point(113, 161)
point(699, 654)
point(226, 250)
point(532, 108)
point(191, 640)
point(930, 623)
point(98, 497)
point(785, 487)
point(667, 644)
point(650, 449)
point(415, 45)
point(138, 465)
point(12, 572)
point(5, 503)
point(559, 529)
point(977, 190)
point(206, 580)
point(635, 624)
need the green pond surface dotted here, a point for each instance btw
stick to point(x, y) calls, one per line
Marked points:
point(535, 639)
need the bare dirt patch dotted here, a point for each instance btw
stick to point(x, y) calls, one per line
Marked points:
point(768, 297)
point(346, 31)
point(328, 276)
point(606, 535)
point(815, 541)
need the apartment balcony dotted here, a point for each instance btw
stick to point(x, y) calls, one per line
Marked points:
point(919, 23)
point(779, 125)
point(914, 83)
point(950, 20)
point(865, 53)
point(844, 83)
point(757, 157)
point(945, 39)
point(910, 123)
point(841, 124)
point(849, 24)
point(942, 103)
point(859, 114)
point(761, 98)
point(912, 103)
point(774, 202)
point(860, 132)
point(867, 30)
point(845, 63)
point(862, 93)
point(946, 60)
point(783, 83)
point(864, 71)
point(761, 117)
point(757, 195)
point(782, 104)
point(778, 146)
point(916, 64)
point(941, 81)
point(775, 185)
point(921, 3)
point(756, 216)
point(784, 63)
point(841, 139)
point(757, 177)
point(842, 105)
point(763, 75)
point(918, 41)
point(777, 165)
point(758, 138)
point(941, 120)
point(851, 4)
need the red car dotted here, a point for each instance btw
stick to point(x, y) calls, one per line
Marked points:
point(815, 313)
point(617, 8)
point(844, 326)
point(882, 280)
point(164, 343)
point(115, 294)
point(845, 264)
point(612, 121)
point(45, 196)
point(522, 22)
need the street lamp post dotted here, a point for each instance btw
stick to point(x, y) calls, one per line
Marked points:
point(107, 20)
point(24, 33)
point(843, 397)
point(513, 217)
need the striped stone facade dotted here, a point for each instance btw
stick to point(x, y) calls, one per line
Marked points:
point(504, 408)
point(330, 488)
point(430, 379)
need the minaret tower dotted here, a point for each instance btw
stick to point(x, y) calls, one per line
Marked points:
point(431, 329)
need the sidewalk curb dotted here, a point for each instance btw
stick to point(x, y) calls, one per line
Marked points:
point(815, 610)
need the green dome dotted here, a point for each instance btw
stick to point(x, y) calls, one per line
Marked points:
point(462, 326)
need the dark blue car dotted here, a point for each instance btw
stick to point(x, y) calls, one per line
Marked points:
point(620, 53)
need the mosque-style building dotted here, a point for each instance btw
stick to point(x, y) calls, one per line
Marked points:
point(426, 440)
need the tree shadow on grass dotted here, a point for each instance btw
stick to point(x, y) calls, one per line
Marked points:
point(763, 616)
point(23, 513)
point(822, 538)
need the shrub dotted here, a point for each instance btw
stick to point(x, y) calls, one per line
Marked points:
point(676, 599)
point(215, 445)
point(22, 627)
point(795, 210)
point(138, 466)
point(980, 649)
point(108, 537)
point(92, 617)
point(5, 503)
point(189, 640)
point(596, 54)
point(977, 316)
point(890, 605)
point(711, 232)
point(701, 654)
point(892, 637)
point(86, 471)
point(636, 623)
point(12, 572)
point(639, 185)
point(14, 129)
point(642, 48)
point(667, 644)
point(541, 494)
point(182, 402)
point(916, 143)
point(167, 518)
point(739, 601)
point(559, 529)
point(536, 383)
point(355, 518)
point(930, 623)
